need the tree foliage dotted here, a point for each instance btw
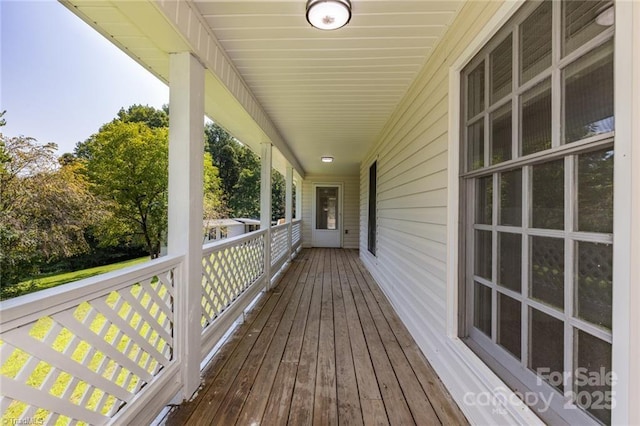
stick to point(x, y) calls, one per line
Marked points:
point(240, 175)
point(44, 207)
point(127, 164)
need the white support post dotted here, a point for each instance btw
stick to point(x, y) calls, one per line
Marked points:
point(186, 147)
point(265, 207)
point(288, 211)
point(299, 199)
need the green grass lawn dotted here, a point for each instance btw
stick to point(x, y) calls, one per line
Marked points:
point(53, 280)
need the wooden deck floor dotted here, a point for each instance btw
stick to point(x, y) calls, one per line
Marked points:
point(324, 347)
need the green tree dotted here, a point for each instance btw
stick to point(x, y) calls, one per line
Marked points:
point(127, 164)
point(44, 208)
point(278, 195)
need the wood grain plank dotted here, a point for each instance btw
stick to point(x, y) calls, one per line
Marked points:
point(256, 401)
point(181, 416)
point(301, 411)
point(234, 400)
point(324, 347)
point(220, 386)
point(414, 394)
point(445, 407)
point(325, 401)
point(279, 403)
point(373, 409)
point(395, 404)
point(349, 407)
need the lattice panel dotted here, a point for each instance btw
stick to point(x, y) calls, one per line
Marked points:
point(85, 363)
point(227, 273)
point(296, 235)
point(279, 243)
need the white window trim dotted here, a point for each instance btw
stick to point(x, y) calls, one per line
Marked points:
point(626, 296)
point(626, 216)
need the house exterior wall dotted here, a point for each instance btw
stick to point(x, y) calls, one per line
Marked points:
point(350, 208)
point(412, 216)
point(417, 218)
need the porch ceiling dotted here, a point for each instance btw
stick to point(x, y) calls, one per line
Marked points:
point(325, 93)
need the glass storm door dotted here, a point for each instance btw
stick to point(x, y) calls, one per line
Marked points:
point(327, 217)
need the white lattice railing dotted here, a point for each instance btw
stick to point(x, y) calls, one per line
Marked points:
point(232, 269)
point(296, 234)
point(97, 351)
point(102, 350)
point(279, 246)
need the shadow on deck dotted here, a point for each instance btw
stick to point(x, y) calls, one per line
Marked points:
point(323, 347)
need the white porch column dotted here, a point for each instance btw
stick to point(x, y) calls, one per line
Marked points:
point(186, 147)
point(288, 210)
point(265, 207)
point(299, 199)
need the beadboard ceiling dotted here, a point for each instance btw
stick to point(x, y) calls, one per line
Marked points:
point(326, 92)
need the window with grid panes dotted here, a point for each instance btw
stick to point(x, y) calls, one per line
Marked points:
point(537, 186)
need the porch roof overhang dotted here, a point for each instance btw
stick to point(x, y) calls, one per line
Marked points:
point(270, 77)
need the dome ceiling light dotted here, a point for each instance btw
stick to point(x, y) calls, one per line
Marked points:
point(328, 14)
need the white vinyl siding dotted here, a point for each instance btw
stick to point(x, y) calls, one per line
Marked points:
point(418, 231)
point(411, 262)
point(350, 210)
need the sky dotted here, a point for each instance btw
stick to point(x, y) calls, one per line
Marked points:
point(60, 80)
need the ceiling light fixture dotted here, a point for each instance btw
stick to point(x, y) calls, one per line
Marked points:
point(328, 14)
point(327, 159)
point(606, 18)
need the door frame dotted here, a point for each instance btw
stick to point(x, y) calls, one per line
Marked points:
point(314, 197)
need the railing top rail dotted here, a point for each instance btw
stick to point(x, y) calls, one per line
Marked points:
point(30, 307)
point(297, 221)
point(281, 226)
point(229, 242)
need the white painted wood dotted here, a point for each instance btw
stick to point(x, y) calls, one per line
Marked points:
point(22, 310)
point(327, 237)
point(265, 205)
point(288, 210)
point(186, 145)
point(350, 211)
point(299, 198)
point(626, 220)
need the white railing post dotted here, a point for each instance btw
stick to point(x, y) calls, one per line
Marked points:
point(186, 147)
point(265, 207)
point(299, 199)
point(289, 208)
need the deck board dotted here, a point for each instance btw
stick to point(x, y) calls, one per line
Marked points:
point(324, 347)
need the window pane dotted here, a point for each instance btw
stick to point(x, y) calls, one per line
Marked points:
point(536, 118)
point(482, 309)
point(592, 359)
point(546, 347)
point(589, 95)
point(501, 70)
point(475, 145)
point(547, 209)
point(511, 198)
point(547, 270)
point(535, 42)
point(509, 261)
point(595, 191)
point(484, 200)
point(327, 208)
point(483, 254)
point(475, 91)
point(594, 288)
point(579, 22)
point(509, 324)
point(501, 135)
